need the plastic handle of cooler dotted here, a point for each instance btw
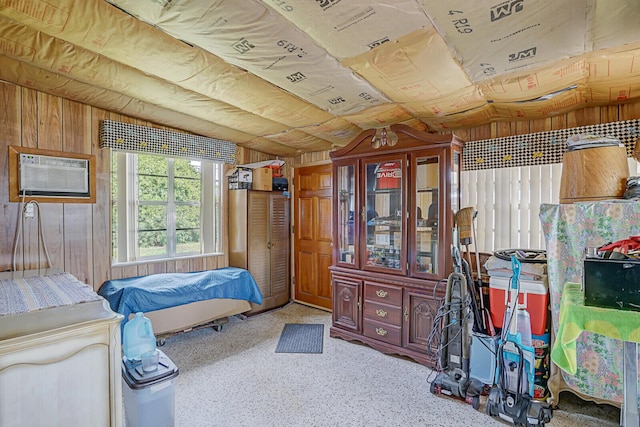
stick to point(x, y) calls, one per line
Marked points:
point(524, 299)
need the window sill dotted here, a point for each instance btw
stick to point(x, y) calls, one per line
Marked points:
point(161, 260)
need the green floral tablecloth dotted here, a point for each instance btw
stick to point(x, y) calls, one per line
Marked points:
point(576, 318)
point(568, 230)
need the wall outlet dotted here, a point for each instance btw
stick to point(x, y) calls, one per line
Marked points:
point(28, 210)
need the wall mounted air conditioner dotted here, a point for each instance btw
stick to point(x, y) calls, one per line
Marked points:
point(51, 176)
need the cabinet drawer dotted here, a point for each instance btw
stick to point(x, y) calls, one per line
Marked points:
point(383, 332)
point(386, 294)
point(389, 314)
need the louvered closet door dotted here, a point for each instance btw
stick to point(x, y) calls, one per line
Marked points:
point(279, 245)
point(258, 238)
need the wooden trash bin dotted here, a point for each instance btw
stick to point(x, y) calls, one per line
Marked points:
point(593, 174)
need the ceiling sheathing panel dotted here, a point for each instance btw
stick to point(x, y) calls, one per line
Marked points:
point(27, 75)
point(558, 103)
point(272, 147)
point(596, 72)
point(377, 117)
point(416, 124)
point(252, 94)
point(494, 38)
point(613, 23)
point(251, 36)
point(351, 27)
point(82, 65)
point(338, 131)
point(532, 85)
point(614, 74)
point(126, 40)
point(415, 67)
point(467, 98)
point(464, 119)
point(301, 141)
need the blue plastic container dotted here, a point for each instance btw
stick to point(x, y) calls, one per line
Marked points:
point(138, 337)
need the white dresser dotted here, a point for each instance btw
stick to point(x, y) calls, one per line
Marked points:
point(59, 366)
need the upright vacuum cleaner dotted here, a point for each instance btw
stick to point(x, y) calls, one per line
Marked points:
point(456, 322)
point(511, 397)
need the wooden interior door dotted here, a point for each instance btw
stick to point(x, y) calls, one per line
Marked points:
point(312, 235)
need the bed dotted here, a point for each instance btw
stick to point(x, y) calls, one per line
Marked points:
point(177, 302)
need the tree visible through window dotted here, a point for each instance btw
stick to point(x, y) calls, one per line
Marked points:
point(158, 206)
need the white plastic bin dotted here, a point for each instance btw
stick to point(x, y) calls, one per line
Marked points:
point(149, 397)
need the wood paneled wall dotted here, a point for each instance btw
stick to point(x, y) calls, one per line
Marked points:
point(77, 236)
point(311, 158)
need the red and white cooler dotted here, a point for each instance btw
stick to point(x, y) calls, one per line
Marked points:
point(534, 296)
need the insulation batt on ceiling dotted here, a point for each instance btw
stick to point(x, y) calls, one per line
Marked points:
point(286, 77)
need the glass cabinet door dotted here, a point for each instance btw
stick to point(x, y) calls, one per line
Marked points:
point(347, 219)
point(455, 182)
point(427, 212)
point(383, 214)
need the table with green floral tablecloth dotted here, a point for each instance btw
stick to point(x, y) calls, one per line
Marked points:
point(568, 230)
point(575, 318)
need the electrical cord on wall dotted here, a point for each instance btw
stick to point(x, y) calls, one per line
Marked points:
point(22, 211)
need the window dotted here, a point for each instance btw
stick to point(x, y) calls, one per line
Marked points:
point(164, 207)
point(508, 203)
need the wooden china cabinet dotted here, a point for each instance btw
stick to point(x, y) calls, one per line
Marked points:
point(394, 211)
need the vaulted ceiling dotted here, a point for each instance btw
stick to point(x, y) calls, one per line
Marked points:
point(291, 76)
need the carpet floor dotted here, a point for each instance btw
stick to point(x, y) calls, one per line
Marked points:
point(235, 378)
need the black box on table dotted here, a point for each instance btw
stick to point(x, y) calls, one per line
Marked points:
point(612, 283)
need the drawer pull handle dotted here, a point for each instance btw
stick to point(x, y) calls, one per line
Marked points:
point(381, 293)
point(381, 313)
point(381, 332)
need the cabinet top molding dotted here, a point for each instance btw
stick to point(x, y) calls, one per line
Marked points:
point(408, 138)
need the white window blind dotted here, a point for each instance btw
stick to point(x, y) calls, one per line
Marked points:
point(508, 203)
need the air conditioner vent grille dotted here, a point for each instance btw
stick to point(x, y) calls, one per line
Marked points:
point(53, 176)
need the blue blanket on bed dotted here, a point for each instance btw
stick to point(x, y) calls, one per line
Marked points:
point(158, 291)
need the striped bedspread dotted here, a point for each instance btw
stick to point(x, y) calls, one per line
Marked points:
point(20, 295)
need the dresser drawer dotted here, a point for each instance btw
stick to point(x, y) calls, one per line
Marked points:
point(385, 294)
point(383, 332)
point(385, 313)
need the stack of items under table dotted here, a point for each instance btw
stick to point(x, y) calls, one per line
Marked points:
point(534, 296)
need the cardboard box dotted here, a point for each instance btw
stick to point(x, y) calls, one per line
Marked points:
point(262, 179)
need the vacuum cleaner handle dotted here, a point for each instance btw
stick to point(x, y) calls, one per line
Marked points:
point(514, 290)
point(457, 259)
